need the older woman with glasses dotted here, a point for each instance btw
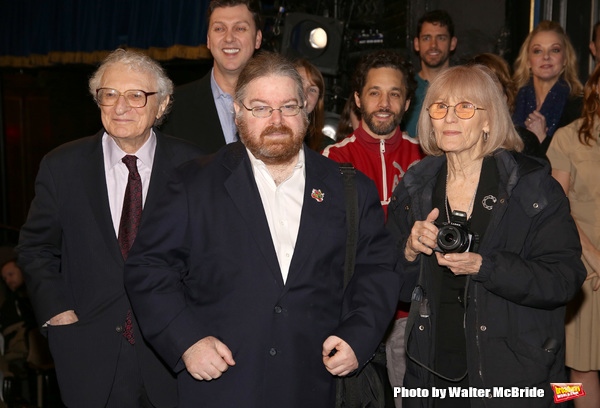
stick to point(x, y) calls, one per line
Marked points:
point(489, 253)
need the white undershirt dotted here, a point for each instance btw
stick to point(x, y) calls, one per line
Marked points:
point(283, 207)
point(117, 173)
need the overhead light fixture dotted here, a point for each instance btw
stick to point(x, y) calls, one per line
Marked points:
point(330, 126)
point(316, 38)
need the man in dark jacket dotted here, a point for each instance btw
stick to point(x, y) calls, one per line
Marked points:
point(239, 279)
point(89, 196)
point(203, 109)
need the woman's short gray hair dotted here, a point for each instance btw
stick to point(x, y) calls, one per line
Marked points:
point(138, 62)
point(478, 85)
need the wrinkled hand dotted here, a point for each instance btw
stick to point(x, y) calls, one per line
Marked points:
point(208, 358)
point(344, 361)
point(466, 263)
point(61, 319)
point(423, 237)
point(536, 123)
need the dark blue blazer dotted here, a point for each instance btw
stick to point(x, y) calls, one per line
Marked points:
point(205, 265)
point(71, 260)
point(194, 116)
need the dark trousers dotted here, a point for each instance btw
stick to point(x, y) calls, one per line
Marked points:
point(128, 388)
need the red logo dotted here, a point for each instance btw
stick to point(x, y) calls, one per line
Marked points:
point(567, 391)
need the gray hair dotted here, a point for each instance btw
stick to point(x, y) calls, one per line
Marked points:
point(266, 64)
point(137, 62)
point(478, 85)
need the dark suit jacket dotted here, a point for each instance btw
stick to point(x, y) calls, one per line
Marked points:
point(71, 259)
point(194, 116)
point(205, 265)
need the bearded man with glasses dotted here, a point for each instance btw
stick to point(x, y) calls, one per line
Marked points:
point(239, 280)
point(83, 220)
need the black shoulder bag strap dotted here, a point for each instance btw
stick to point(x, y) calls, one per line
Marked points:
point(351, 197)
point(348, 173)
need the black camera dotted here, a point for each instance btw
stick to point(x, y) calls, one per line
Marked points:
point(455, 236)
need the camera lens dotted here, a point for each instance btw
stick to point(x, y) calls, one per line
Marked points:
point(452, 239)
point(449, 238)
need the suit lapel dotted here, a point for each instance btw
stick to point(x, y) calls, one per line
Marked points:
point(97, 195)
point(213, 135)
point(242, 189)
point(160, 173)
point(314, 214)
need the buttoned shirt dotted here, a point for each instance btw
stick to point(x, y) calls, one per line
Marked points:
point(224, 104)
point(116, 173)
point(283, 207)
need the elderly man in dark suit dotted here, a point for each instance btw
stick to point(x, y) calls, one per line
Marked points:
point(203, 109)
point(238, 278)
point(81, 225)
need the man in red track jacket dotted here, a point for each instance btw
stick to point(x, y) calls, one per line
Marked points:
point(383, 85)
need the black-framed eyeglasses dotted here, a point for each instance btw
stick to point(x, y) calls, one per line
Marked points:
point(267, 111)
point(133, 97)
point(463, 110)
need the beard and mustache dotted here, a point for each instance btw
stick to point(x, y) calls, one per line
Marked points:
point(278, 151)
point(382, 128)
point(436, 61)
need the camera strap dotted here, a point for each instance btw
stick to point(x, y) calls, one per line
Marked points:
point(420, 306)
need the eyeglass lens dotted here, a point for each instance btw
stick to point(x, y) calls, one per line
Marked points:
point(267, 111)
point(134, 98)
point(464, 110)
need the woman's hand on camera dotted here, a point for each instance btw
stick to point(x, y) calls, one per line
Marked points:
point(423, 237)
point(465, 263)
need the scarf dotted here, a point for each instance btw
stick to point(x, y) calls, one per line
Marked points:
point(552, 108)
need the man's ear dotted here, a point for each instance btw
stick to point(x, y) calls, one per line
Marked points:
point(236, 108)
point(258, 41)
point(453, 43)
point(416, 44)
point(406, 105)
point(357, 99)
point(162, 107)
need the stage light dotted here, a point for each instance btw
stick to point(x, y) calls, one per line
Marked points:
point(316, 38)
point(332, 120)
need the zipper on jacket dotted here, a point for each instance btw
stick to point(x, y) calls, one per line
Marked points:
point(383, 171)
point(477, 339)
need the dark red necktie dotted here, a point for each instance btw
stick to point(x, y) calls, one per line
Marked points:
point(132, 207)
point(130, 222)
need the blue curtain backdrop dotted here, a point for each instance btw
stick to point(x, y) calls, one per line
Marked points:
point(42, 32)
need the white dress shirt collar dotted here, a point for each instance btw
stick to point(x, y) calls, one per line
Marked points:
point(283, 207)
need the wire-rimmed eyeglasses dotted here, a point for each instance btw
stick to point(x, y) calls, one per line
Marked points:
point(134, 97)
point(267, 111)
point(463, 110)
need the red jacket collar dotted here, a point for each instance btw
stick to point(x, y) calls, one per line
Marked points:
point(369, 142)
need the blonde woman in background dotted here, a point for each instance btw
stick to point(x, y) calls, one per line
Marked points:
point(549, 95)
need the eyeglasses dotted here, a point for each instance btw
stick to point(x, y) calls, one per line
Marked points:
point(133, 97)
point(267, 111)
point(464, 110)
